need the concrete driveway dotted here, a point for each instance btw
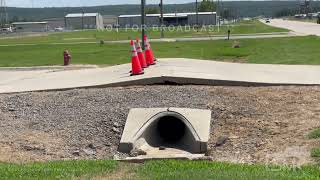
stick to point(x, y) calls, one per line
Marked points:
point(302, 28)
point(177, 70)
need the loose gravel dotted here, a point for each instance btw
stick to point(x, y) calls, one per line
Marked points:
point(258, 124)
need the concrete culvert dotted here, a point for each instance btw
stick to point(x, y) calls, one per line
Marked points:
point(169, 129)
point(185, 130)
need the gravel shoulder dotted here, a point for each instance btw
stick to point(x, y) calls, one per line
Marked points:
point(261, 124)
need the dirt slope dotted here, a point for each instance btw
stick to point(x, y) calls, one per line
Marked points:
point(262, 124)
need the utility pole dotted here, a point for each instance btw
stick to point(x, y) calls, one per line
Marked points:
point(218, 14)
point(82, 19)
point(197, 14)
point(143, 3)
point(3, 13)
point(161, 21)
point(222, 11)
point(217, 20)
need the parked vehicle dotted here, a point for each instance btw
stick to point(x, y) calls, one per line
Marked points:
point(58, 29)
point(6, 30)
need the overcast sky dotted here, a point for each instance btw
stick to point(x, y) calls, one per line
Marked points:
point(73, 3)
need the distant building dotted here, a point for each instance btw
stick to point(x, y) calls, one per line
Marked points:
point(54, 23)
point(30, 26)
point(84, 21)
point(135, 20)
point(204, 18)
point(110, 20)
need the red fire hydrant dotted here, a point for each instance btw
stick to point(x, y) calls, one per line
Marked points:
point(67, 57)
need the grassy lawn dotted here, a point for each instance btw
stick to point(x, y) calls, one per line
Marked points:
point(57, 170)
point(244, 27)
point(315, 134)
point(293, 50)
point(208, 170)
point(154, 170)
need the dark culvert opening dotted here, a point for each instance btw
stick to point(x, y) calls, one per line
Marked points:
point(171, 129)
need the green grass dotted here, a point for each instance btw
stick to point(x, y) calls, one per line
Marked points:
point(244, 27)
point(315, 152)
point(293, 50)
point(314, 134)
point(57, 170)
point(209, 170)
point(165, 170)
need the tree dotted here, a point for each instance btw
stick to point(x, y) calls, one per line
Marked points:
point(152, 11)
point(207, 6)
point(226, 14)
point(286, 12)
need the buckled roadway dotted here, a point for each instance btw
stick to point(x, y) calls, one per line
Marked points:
point(176, 70)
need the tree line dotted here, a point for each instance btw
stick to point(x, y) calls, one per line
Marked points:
point(227, 8)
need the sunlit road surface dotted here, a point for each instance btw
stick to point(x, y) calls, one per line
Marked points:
point(297, 26)
point(175, 70)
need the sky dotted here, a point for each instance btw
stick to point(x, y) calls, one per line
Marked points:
point(74, 3)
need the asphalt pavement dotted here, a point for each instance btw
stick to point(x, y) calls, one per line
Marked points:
point(300, 28)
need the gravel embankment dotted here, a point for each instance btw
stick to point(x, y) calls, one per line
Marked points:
point(263, 124)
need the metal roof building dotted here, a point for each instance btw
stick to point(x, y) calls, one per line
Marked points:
point(30, 26)
point(110, 20)
point(55, 23)
point(84, 21)
point(205, 18)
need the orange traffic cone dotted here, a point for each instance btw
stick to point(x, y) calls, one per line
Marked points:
point(152, 54)
point(148, 52)
point(141, 57)
point(136, 67)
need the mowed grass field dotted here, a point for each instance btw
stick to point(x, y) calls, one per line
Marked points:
point(291, 50)
point(243, 27)
point(165, 170)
